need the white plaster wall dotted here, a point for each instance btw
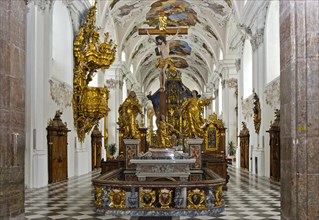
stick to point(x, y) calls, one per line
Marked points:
point(268, 116)
point(272, 42)
point(49, 53)
point(62, 44)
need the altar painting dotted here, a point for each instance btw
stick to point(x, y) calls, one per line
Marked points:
point(211, 138)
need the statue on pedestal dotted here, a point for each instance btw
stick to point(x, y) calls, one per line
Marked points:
point(128, 112)
point(191, 111)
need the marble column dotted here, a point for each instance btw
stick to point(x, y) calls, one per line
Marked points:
point(12, 108)
point(299, 114)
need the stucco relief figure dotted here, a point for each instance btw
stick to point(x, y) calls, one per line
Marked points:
point(191, 111)
point(164, 62)
point(128, 112)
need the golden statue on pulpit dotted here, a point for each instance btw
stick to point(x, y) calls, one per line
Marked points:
point(128, 112)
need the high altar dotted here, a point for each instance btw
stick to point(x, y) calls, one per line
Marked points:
point(171, 173)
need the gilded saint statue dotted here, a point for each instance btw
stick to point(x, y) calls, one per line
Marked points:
point(162, 21)
point(257, 113)
point(128, 112)
point(163, 139)
point(192, 110)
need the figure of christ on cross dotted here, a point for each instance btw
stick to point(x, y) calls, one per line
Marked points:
point(163, 49)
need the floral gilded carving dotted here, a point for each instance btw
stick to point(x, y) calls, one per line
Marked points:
point(257, 113)
point(272, 94)
point(61, 93)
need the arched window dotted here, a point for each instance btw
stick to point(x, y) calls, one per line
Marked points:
point(131, 69)
point(62, 44)
point(247, 70)
point(272, 42)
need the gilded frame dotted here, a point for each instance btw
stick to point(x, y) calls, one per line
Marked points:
point(212, 135)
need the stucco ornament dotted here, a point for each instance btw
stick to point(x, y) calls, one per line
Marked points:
point(111, 83)
point(232, 83)
point(272, 94)
point(247, 106)
point(61, 93)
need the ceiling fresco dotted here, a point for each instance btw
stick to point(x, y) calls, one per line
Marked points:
point(194, 54)
point(179, 47)
point(178, 12)
point(179, 62)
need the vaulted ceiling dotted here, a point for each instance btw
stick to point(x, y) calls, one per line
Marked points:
point(194, 54)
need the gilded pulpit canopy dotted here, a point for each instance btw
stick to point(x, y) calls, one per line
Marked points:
point(90, 104)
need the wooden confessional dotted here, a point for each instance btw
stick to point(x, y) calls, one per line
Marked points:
point(244, 147)
point(96, 146)
point(274, 142)
point(57, 136)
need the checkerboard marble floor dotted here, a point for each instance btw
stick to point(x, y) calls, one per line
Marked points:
point(248, 197)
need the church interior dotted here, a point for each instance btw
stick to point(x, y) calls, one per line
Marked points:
point(159, 109)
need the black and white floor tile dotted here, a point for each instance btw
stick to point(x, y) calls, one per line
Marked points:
point(248, 197)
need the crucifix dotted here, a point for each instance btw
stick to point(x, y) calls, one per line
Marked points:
point(163, 45)
point(163, 49)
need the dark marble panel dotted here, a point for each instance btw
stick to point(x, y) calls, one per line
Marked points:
point(312, 156)
point(4, 117)
point(301, 155)
point(312, 15)
point(12, 109)
point(285, 26)
point(313, 45)
point(286, 86)
point(312, 118)
point(313, 78)
point(288, 121)
point(300, 18)
point(4, 57)
point(17, 88)
point(4, 25)
point(17, 119)
point(301, 196)
point(287, 58)
point(4, 91)
point(313, 196)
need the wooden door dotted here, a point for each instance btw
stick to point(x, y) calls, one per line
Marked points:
point(244, 152)
point(58, 169)
point(57, 149)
